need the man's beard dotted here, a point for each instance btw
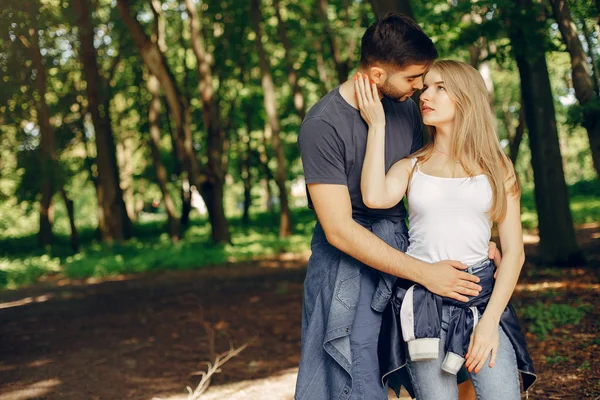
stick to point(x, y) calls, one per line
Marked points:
point(392, 93)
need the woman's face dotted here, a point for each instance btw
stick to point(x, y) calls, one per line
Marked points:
point(437, 108)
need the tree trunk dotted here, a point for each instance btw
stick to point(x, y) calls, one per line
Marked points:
point(186, 204)
point(114, 222)
point(246, 164)
point(285, 223)
point(590, 45)
point(47, 142)
point(298, 98)
point(382, 7)
point(212, 189)
point(156, 63)
point(159, 168)
point(126, 171)
point(515, 141)
point(557, 236)
point(582, 81)
point(341, 66)
point(71, 214)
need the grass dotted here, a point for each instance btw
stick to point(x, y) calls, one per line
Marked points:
point(22, 262)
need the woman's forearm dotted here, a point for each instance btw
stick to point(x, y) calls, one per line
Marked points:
point(372, 181)
point(508, 275)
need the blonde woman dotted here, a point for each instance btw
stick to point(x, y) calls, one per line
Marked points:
point(457, 186)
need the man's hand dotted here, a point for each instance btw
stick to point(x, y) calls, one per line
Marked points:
point(446, 279)
point(494, 254)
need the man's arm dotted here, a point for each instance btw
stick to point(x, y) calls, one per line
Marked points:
point(334, 210)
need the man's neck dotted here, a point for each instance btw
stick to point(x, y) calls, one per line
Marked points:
point(348, 93)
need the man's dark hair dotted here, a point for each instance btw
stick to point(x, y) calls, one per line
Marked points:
point(398, 41)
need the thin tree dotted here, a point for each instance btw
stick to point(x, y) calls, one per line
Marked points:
point(582, 81)
point(206, 181)
point(213, 187)
point(285, 222)
point(113, 221)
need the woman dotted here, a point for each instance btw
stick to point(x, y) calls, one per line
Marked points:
point(457, 186)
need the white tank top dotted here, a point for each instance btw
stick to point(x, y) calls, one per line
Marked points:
point(448, 217)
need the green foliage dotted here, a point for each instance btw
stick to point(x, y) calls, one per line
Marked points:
point(556, 358)
point(152, 250)
point(543, 318)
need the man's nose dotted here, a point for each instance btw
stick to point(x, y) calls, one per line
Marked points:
point(418, 83)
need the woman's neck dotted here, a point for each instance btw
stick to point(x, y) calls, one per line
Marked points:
point(443, 138)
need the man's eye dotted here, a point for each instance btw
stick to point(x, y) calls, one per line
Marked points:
point(410, 79)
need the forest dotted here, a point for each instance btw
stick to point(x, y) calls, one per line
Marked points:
point(152, 144)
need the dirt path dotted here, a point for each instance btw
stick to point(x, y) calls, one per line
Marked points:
point(140, 337)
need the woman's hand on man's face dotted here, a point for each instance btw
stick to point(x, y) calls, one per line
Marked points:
point(369, 102)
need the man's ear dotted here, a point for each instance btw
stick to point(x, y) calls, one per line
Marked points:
point(378, 75)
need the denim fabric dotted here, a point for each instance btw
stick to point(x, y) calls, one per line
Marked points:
point(331, 297)
point(393, 352)
point(366, 383)
point(500, 382)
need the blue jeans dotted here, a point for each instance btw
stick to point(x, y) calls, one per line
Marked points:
point(366, 377)
point(500, 382)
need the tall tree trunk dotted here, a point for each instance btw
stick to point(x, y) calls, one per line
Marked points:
point(179, 108)
point(382, 7)
point(126, 170)
point(113, 221)
point(342, 66)
point(515, 141)
point(285, 223)
point(71, 213)
point(47, 142)
point(159, 168)
point(590, 45)
point(212, 189)
point(582, 81)
point(246, 164)
point(557, 236)
point(158, 37)
point(298, 98)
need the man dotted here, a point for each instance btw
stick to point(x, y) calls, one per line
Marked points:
point(357, 253)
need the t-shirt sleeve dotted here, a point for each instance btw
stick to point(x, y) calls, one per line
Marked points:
point(417, 141)
point(322, 153)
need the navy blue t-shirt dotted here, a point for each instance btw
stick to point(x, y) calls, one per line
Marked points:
point(333, 141)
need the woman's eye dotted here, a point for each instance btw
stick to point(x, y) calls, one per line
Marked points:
point(440, 88)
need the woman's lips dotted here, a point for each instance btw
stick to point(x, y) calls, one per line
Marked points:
point(425, 109)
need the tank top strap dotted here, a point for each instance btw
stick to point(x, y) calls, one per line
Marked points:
point(413, 162)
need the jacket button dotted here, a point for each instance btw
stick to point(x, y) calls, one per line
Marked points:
point(346, 391)
point(347, 330)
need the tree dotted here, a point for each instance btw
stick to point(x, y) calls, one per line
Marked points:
point(285, 222)
point(582, 81)
point(47, 144)
point(113, 221)
point(208, 182)
point(382, 7)
point(213, 186)
point(557, 236)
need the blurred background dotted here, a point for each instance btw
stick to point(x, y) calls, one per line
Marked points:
point(160, 136)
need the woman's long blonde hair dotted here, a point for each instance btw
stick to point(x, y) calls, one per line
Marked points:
point(475, 143)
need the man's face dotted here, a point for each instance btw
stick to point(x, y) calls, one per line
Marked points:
point(401, 83)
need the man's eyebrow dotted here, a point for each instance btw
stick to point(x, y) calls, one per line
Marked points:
point(415, 76)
